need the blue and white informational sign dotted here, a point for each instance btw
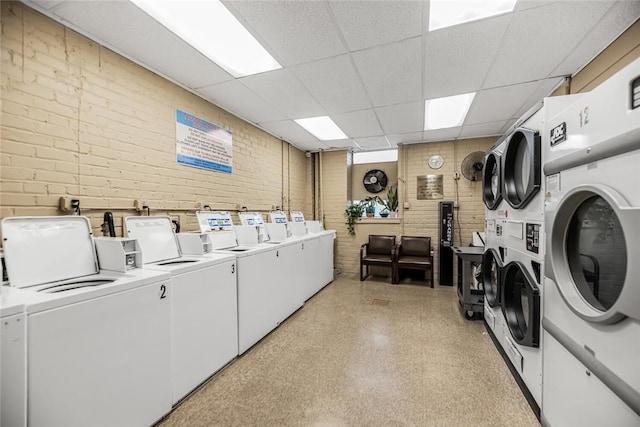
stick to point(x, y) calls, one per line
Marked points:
point(202, 144)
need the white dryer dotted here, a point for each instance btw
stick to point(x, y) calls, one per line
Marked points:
point(203, 303)
point(592, 298)
point(492, 259)
point(521, 301)
point(97, 342)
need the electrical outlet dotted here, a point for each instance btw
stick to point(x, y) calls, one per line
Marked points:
point(406, 205)
point(456, 176)
point(64, 204)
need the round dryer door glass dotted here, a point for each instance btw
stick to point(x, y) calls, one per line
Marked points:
point(596, 252)
point(522, 169)
point(491, 277)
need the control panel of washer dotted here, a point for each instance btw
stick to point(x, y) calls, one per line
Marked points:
point(533, 237)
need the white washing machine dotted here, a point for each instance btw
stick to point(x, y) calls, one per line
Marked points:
point(97, 342)
point(268, 279)
point(203, 303)
point(592, 298)
point(13, 357)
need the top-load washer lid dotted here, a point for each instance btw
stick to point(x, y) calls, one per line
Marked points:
point(41, 250)
point(297, 216)
point(521, 168)
point(251, 218)
point(214, 221)
point(492, 180)
point(491, 274)
point(278, 217)
point(155, 236)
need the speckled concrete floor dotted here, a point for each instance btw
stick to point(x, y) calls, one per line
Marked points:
point(366, 354)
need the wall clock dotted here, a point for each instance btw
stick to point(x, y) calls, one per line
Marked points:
point(436, 161)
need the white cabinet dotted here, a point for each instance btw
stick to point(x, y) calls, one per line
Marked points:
point(204, 327)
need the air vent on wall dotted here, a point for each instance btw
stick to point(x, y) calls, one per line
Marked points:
point(375, 181)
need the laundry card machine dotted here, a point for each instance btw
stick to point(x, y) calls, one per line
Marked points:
point(97, 342)
point(203, 303)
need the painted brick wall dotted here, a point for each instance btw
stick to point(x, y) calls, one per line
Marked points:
point(79, 120)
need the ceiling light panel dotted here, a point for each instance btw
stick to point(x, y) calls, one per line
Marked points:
point(447, 13)
point(322, 128)
point(214, 31)
point(447, 112)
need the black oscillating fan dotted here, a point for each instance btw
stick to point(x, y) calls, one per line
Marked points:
point(472, 166)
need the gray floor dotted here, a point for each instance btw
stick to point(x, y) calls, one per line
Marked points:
point(366, 354)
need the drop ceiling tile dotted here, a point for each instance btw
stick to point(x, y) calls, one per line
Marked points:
point(358, 124)
point(310, 146)
point(482, 129)
point(282, 89)
point(530, 4)
point(502, 103)
point(404, 138)
point(44, 4)
point(373, 143)
point(128, 30)
point(335, 83)
point(370, 23)
point(392, 74)
point(294, 31)
point(402, 118)
point(289, 131)
point(340, 144)
point(544, 89)
point(508, 125)
point(539, 39)
point(458, 58)
point(616, 20)
point(237, 98)
point(448, 134)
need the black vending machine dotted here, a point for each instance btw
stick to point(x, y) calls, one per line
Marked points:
point(446, 243)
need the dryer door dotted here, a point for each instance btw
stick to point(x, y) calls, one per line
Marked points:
point(521, 167)
point(491, 271)
point(492, 181)
point(593, 254)
point(520, 299)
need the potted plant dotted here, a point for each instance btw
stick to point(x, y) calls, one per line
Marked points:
point(391, 204)
point(353, 212)
point(370, 205)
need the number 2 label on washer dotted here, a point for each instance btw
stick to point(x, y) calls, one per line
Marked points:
point(163, 291)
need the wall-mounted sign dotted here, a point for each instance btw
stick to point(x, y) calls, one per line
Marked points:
point(202, 144)
point(430, 187)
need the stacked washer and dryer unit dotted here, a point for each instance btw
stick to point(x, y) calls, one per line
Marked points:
point(513, 263)
point(591, 325)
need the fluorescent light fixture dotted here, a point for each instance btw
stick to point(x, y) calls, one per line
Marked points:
point(322, 128)
point(446, 13)
point(446, 112)
point(375, 156)
point(210, 28)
